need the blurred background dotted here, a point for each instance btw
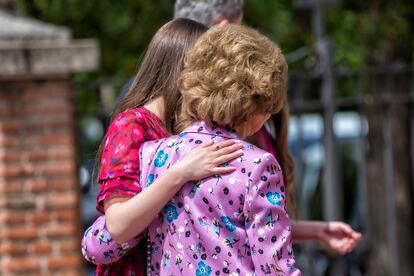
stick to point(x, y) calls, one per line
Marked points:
point(351, 93)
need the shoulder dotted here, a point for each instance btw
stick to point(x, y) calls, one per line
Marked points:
point(171, 144)
point(136, 116)
point(256, 154)
point(130, 123)
point(257, 161)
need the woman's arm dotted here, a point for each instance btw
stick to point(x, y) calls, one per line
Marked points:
point(99, 248)
point(127, 217)
point(102, 244)
point(338, 236)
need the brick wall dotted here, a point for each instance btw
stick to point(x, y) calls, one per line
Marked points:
point(39, 192)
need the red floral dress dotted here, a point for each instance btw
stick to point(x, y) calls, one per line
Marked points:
point(119, 175)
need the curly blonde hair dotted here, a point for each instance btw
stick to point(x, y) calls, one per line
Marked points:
point(232, 73)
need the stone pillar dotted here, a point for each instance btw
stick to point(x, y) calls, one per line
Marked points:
point(40, 223)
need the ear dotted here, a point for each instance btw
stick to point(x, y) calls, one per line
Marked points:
point(223, 22)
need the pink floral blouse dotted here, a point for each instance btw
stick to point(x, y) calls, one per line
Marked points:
point(233, 224)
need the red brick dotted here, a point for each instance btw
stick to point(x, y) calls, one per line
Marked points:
point(57, 90)
point(63, 261)
point(52, 109)
point(36, 155)
point(36, 185)
point(16, 170)
point(10, 126)
point(27, 109)
point(64, 153)
point(9, 93)
point(69, 246)
point(62, 230)
point(10, 157)
point(66, 215)
point(32, 95)
point(49, 122)
point(11, 171)
point(22, 202)
point(5, 111)
point(13, 249)
point(62, 124)
point(38, 151)
point(41, 247)
point(11, 187)
point(63, 184)
point(8, 142)
point(62, 168)
point(72, 272)
point(56, 139)
point(20, 265)
point(62, 200)
point(39, 217)
point(12, 218)
point(23, 233)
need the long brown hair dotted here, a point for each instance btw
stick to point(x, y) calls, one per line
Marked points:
point(161, 67)
point(159, 71)
point(281, 121)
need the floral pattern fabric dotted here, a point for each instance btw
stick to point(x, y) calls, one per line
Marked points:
point(233, 224)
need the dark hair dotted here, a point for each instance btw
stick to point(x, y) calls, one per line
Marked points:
point(284, 156)
point(209, 12)
point(161, 67)
point(159, 71)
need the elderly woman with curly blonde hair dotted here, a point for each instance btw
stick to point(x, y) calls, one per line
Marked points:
point(233, 80)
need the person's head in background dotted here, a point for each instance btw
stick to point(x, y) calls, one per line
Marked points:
point(160, 68)
point(210, 12)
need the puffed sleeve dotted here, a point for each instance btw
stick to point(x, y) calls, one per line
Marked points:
point(99, 248)
point(120, 170)
point(269, 227)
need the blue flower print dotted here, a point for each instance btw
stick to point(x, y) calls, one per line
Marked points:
point(182, 134)
point(273, 198)
point(170, 212)
point(160, 159)
point(227, 222)
point(104, 237)
point(150, 179)
point(203, 269)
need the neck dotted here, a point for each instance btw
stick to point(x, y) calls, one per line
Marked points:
point(241, 131)
point(156, 106)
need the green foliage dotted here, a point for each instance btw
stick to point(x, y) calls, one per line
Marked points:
point(371, 32)
point(361, 30)
point(123, 27)
point(277, 19)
